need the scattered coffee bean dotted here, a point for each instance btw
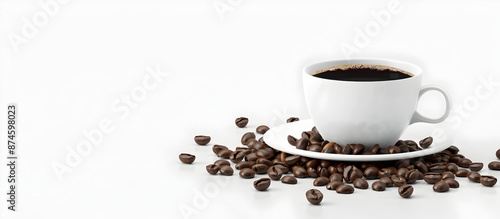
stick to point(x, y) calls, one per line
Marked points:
point(314, 196)
point(447, 175)
point(441, 186)
point(432, 178)
point(321, 181)
point(336, 177)
point(262, 184)
point(299, 172)
point(262, 129)
point(411, 143)
point(247, 173)
point(238, 155)
point(452, 183)
point(302, 144)
point(316, 139)
point(292, 140)
point(222, 163)
point(437, 168)
point(378, 186)
point(462, 173)
point(224, 153)
point(375, 149)
point(351, 173)
point(405, 191)
point(292, 119)
point(402, 172)
point(421, 167)
point(216, 148)
point(398, 180)
point(274, 173)
point(284, 168)
point(333, 185)
point(360, 183)
point(488, 180)
point(187, 158)
point(226, 170)
point(312, 172)
point(412, 176)
point(494, 165)
point(289, 180)
point(371, 172)
point(202, 139)
point(345, 189)
point(358, 149)
point(426, 142)
point(213, 169)
point(260, 168)
point(292, 160)
point(498, 153)
point(329, 148)
point(474, 176)
point(247, 136)
point(314, 147)
point(264, 161)
point(452, 167)
point(393, 150)
point(347, 149)
point(464, 162)
point(387, 181)
point(241, 122)
point(476, 166)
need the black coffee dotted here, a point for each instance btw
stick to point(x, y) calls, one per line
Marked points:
point(362, 72)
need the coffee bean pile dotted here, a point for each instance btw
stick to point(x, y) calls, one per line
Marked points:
point(255, 157)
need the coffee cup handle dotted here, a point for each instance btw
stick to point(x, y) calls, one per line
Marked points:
point(417, 117)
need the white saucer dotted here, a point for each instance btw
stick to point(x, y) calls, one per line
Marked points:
point(276, 137)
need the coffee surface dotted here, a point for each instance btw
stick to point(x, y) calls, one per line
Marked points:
point(362, 72)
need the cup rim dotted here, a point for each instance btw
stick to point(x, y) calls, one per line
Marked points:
point(417, 72)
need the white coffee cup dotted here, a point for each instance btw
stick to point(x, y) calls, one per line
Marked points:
point(366, 112)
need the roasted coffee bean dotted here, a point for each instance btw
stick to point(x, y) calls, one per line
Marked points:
point(432, 177)
point(292, 160)
point(324, 163)
point(452, 183)
point(332, 170)
point(426, 142)
point(474, 176)
point(358, 149)
point(393, 150)
point(226, 170)
point(252, 143)
point(404, 148)
point(387, 181)
point(333, 185)
point(324, 143)
point(402, 163)
point(314, 129)
point(441, 186)
point(347, 149)
point(345, 189)
point(299, 172)
point(447, 175)
point(322, 171)
point(292, 140)
point(328, 148)
point(316, 138)
point(336, 177)
point(411, 143)
point(262, 184)
point(371, 172)
point(274, 173)
point(244, 164)
point(398, 180)
point(311, 172)
point(437, 168)
point(421, 167)
point(302, 144)
point(251, 157)
point(314, 196)
point(202, 139)
point(216, 148)
point(267, 153)
point(452, 167)
point(400, 142)
point(247, 136)
point(262, 129)
point(238, 155)
point(351, 173)
point(392, 170)
point(289, 180)
point(303, 160)
point(312, 163)
point(247, 173)
point(412, 176)
point(453, 149)
point(405, 191)
point(384, 172)
point(402, 172)
point(260, 168)
point(477, 166)
point(488, 180)
point(242, 148)
point(222, 163)
point(314, 147)
point(360, 183)
point(498, 153)
point(375, 149)
point(224, 153)
point(321, 181)
point(494, 165)
point(264, 161)
point(337, 148)
point(241, 122)
point(284, 168)
point(378, 186)
point(464, 162)
point(213, 169)
point(292, 119)
point(187, 158)
point(462, 173)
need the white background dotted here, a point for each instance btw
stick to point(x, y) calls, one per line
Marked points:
point(72, 72)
